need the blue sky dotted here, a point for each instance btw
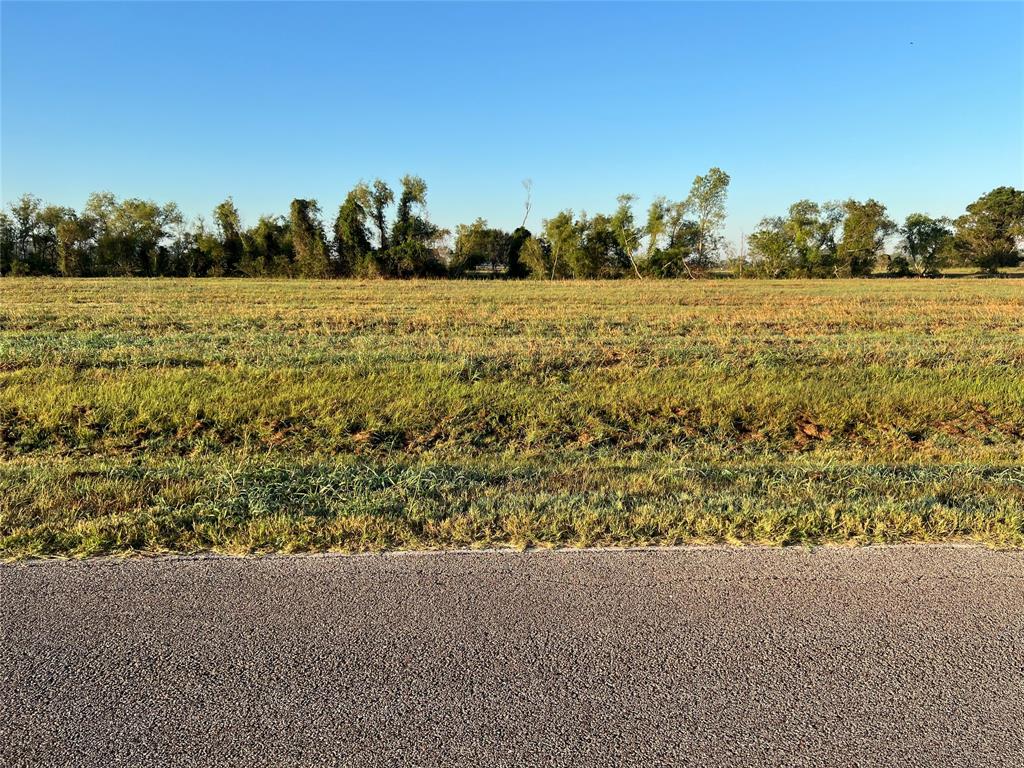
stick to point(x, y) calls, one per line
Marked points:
point(918, 105)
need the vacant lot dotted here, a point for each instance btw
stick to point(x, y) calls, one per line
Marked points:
point(252, 416)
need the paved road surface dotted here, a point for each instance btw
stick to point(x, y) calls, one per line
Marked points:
point(702, 657)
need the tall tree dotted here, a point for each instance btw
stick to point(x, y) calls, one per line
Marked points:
point(26, 230)
point(773, 249)
point(74, 244)
point(381, 197)
point(268, 248)
point(803, 243)
point(865, 229)
point(514, 244)
point(229, 229)
point(351, 237)
point(707, 204)
point(413, 236)
point(813, 229)
point(414, 193)
point(671, 240)
point(599, 252)
point(563, 237)
point(131, 234)
point(535, 257)
point(514, 265)
point(6, 243)
point(183, 255)
point(989, 235)
point(308, 240)
point(478, 245)
point(925, 245)
point(53, 219)
point(627, 234)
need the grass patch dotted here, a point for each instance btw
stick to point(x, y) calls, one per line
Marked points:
point(261, 416)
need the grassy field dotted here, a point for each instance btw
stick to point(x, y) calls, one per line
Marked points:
point(251, 416)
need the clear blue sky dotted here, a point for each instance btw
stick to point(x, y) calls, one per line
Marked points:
point(918, 105)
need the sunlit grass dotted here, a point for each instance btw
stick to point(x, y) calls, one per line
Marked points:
point(257, 416)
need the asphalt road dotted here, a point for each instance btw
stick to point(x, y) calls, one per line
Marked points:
point(702, 657)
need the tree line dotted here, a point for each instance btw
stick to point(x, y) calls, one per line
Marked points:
point(378, 233)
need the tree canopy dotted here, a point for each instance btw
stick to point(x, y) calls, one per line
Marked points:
point(378, 234)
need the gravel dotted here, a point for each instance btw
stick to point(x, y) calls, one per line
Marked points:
point(910, 656)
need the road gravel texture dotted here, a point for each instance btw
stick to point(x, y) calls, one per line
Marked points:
point(904, 656)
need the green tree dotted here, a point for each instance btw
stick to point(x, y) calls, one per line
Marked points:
point(413, 237)
point(773, 249)
point(478, 245)
point(47, 246)
point(307, 232)
point(671, 240)
point(535, 258)
point(865, 228)
point(381, 197)
point(628, 235)
point(130, 235)
point(563, 237)
point(924, 247)
point(599, 253)
point(801, 244)
point(414, 193)
point(6, 243)
point(230, 254)
point(75, 239)
point(183, 255)
point(515, 267)
point(707, 204)
point(205, 251)
point(26, 231)
point(351, 235)
point(813, 229)
point(268, 248)
point(989, 234)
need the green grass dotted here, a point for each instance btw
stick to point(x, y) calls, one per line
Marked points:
point(258, 416)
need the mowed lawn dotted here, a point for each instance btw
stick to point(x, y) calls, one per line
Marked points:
point(257, 416)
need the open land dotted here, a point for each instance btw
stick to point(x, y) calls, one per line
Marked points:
point(250, 416)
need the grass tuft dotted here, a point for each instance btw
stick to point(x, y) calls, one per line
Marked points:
point(260, 416)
